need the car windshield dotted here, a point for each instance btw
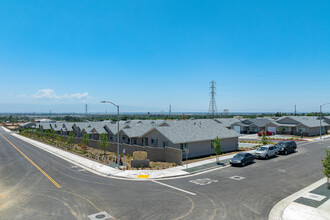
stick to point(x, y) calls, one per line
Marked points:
point(280, 144)
point(239, 156)
point(262, 148)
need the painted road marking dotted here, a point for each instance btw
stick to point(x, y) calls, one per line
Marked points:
point(204, 181)
point(143, 176)
point(173, 187)
point(314, 196)
point(43, 172)
point(100, 215)
point(237, 177)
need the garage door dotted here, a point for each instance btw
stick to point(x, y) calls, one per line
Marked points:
point(237, 129)
point(272, 129)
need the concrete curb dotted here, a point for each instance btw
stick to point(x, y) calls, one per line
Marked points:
point(106, 171)
point(277, 211)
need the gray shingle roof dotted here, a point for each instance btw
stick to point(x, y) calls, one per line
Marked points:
point(138, 130)
point(195, 130)
point(260, 122)
point(227, 122)
point(45, 126)
point(308, 121)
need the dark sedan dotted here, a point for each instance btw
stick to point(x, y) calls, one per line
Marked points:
point(242, 159)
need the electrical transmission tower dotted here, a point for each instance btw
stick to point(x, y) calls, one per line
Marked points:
point(213, 105)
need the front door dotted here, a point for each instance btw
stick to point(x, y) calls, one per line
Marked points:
point(146, 142)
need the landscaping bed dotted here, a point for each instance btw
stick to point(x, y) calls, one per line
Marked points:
point(97, 155)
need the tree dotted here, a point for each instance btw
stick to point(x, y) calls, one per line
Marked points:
point(59, 137)
point(104, 142)
point(264, 138)
point(326, 165)
point(52, 134)
point(217, 147)
point(85, 141)
point(71, 138)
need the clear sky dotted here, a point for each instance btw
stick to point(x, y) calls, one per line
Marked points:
point(146, 55)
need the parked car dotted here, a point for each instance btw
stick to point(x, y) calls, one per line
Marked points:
point(285, 147)
point(266, 151)
point(268, 133)
point(242, 159)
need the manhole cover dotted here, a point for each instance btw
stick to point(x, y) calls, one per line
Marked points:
point(237, 177)
point(100, 215)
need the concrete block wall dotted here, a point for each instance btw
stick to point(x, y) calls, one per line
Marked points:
point(161, 154)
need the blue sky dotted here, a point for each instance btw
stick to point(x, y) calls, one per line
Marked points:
point(266, 56)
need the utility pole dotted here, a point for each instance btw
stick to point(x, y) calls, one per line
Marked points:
point(169, 112)
point(295, 110)
point(213, 105)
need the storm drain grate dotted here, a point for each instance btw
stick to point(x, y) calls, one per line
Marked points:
point(100, 216)
point(237, 177)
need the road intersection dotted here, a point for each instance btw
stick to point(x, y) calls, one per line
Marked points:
point(229, 193)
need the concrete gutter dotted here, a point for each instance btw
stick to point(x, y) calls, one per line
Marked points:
point(277, 211)
point(106, 171)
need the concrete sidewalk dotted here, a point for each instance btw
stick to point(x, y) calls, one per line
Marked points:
point(104, 170)
point(312, 202)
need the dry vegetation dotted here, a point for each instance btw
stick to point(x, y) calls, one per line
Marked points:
point(93, 153)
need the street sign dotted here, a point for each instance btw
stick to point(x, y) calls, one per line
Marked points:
point(187, 150)
point(124, 151)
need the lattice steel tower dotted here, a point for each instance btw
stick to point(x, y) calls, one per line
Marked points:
point(213, 105)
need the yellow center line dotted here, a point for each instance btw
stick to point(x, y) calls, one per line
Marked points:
point(43, 172)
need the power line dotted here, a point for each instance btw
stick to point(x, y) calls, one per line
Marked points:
point(213, 105)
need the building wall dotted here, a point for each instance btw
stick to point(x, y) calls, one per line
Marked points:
point(160, 139)
point(164, 154)
point(203, 148)
point(306, 131)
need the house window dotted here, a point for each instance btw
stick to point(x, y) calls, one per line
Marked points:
point(124, 138)
point(183, 146)
point(154, 141)
point(111, 138)
point(212, 147)
point(165, 144)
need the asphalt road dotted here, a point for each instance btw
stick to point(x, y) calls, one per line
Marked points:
point(60, 190)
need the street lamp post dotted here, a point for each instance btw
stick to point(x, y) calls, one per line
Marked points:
point(117, 129)
point(321, 119)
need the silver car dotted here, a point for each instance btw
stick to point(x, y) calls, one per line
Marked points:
point(266, 151)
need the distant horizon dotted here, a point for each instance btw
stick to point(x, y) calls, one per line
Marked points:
point(146, 113)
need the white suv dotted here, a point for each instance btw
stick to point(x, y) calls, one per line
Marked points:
point(266, 151)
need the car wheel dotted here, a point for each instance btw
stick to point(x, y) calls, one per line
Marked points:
point(266, 157)
point(286, 152)
point(243, 164)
